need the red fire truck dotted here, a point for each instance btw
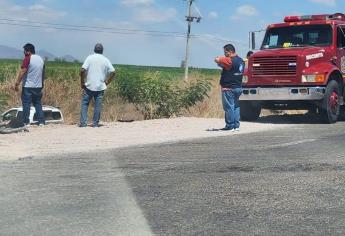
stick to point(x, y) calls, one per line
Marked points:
point(300, 65)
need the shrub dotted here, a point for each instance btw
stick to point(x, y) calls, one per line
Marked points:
point(156, 97)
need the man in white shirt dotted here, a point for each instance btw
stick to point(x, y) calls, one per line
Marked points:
point(96, 73)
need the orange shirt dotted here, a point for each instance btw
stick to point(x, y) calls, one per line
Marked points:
point(225, 62)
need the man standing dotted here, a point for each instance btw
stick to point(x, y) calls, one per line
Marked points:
point(98, 72)
point(31, 76)
point(231, 85)
point(246, 60)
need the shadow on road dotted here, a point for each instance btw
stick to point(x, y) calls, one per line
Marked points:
point(291, 119)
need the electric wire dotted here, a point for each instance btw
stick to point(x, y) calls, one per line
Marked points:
point(85, 26)
point(92, 30)
point(110, 30)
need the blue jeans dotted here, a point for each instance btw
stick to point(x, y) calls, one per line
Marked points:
point(87, 96)
point(34, 96)
point(231, 106)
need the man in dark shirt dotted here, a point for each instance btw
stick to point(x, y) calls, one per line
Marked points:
point(231, 86)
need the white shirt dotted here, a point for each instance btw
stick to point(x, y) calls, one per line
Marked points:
point(98, 68)
point(33, 77)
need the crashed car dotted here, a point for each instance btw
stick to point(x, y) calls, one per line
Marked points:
point(51, 114)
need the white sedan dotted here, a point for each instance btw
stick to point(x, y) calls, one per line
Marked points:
point(51, 114)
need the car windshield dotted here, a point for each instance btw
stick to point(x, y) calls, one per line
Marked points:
point(9, 115)
point(298, 36)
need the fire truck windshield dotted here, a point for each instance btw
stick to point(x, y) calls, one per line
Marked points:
point(298, 36)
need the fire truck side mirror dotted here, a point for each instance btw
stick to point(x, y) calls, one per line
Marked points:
point(252, 36)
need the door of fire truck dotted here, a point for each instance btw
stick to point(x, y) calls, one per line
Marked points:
point(340, 60)
point(341, 48)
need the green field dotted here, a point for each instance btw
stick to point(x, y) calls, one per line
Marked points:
point(67, 70)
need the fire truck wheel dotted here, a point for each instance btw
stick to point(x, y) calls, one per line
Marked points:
point(330, 107)
point(250, 110)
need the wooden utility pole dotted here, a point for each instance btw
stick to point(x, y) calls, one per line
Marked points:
point(189, 19)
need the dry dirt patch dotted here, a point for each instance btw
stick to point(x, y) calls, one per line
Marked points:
point(60, 139)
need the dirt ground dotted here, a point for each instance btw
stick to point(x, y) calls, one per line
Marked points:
point(60, 139)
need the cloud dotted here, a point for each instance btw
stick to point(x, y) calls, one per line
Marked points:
point(135, 3)
point(44, 12)
point(213, 15)
point(331, 3)
point(37, 12)
point(153, 15)
point(144, 11)
point(245, 11)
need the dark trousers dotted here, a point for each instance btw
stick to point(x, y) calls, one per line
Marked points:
point(34, 96)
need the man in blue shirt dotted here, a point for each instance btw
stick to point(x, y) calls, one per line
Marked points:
point(231, 86)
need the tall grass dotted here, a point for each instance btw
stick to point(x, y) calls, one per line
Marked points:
point(211, 107)
point(62, 89)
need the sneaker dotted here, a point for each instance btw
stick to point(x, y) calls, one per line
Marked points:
point(82, 125)
point(237, 129)
point(41, 124)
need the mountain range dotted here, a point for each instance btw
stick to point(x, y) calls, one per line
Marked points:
point(14, 53)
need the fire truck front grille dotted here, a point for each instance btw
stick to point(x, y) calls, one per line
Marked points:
point(279, 65)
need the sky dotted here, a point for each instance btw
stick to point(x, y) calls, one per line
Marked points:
point(146, 32)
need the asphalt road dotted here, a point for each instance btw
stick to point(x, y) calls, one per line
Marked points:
point(282, 182)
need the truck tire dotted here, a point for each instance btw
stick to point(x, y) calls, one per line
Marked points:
point(330, 107)
point(250, 110)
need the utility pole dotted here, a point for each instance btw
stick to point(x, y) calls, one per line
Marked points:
point(189, 19)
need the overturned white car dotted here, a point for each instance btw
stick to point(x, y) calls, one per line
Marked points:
point(51, 114)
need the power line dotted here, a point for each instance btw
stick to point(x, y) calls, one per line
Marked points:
point(197, 9)
point(148, 33)
point(214, 38)
point(86, 26)
point(110, 30)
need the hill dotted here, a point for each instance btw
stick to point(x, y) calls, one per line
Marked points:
point(10, 53)
point(14, 53)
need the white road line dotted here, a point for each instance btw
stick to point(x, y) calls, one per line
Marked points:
point(291, 143)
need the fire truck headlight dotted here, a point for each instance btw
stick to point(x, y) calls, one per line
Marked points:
point(245, 79)
point(313, 78)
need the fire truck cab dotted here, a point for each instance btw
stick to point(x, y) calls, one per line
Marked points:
point(300, 65)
